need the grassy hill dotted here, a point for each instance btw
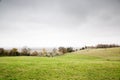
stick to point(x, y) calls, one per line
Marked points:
point(105, 53)
point(91, 64)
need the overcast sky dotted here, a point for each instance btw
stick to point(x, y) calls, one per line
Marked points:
point(53, 23)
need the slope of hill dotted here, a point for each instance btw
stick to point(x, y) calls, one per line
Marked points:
point(105, 53)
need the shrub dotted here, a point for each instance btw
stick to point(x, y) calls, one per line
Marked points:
point(35, 53)
point(62, 50)
point(44, 52)
point(70, 49)
point(2, 52)
point(14, 52)
point(25, 52)
point(54, 52)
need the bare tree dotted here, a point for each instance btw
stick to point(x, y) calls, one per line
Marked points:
point(25, 51)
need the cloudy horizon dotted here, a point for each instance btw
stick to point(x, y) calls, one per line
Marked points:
point(54, 23)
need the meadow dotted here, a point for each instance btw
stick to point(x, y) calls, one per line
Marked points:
point(88, 64)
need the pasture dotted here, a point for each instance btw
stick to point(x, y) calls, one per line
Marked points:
point(90, 64)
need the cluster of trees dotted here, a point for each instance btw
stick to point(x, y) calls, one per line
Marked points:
point(107, 45)
point(14, 52)
point(102, 46)
point(28, 52)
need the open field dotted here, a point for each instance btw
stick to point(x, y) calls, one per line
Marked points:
point(92, 64)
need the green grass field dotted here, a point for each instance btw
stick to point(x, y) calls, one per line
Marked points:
point(91, 64)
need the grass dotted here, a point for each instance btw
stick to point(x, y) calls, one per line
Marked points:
point(90, 64)
point(106, 53)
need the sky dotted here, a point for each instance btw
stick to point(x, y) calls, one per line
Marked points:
point(54, 23)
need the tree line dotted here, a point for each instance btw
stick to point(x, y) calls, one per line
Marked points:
point(60, 51)
point(28, 52)
point(101, 46)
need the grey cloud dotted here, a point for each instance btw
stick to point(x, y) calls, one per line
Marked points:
point(71, 12)
point(85, 9)
point(64, 18)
